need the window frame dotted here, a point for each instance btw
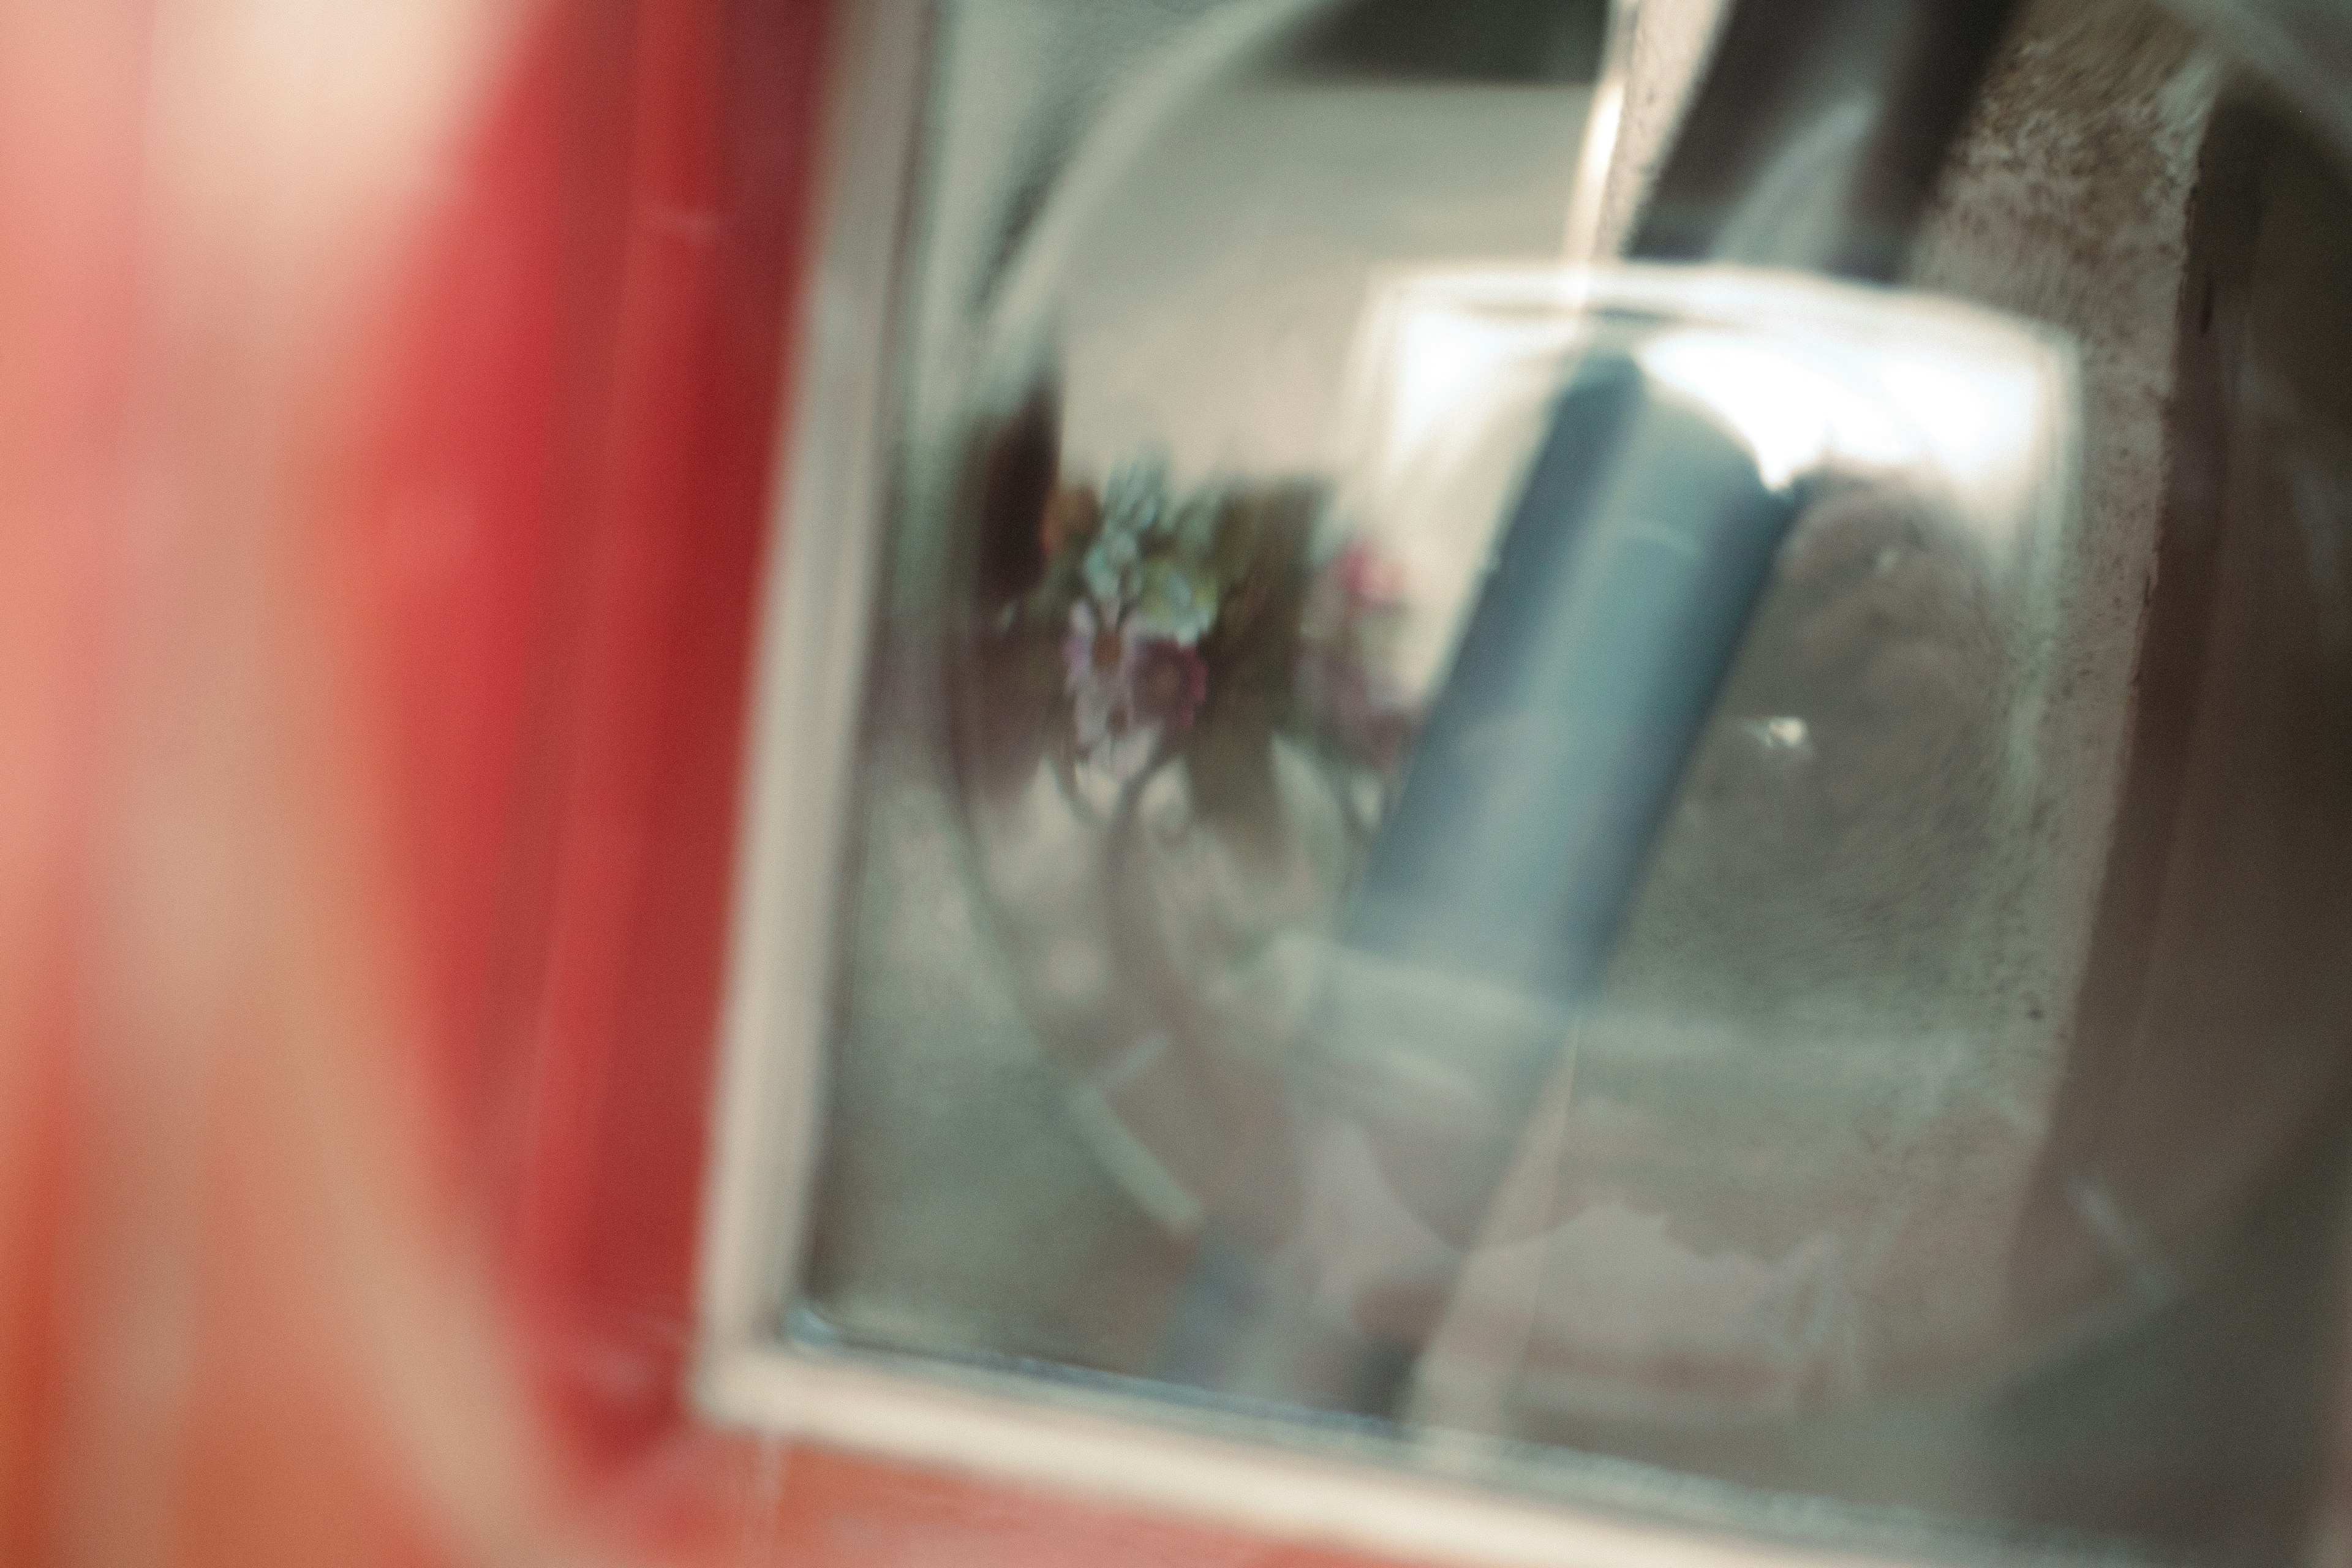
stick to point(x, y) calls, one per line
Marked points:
point(1430, 1498)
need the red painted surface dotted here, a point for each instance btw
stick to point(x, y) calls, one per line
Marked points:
point(806, 1506)
point(568, 526)
point(68, 174)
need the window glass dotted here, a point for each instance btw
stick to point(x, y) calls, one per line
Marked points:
point(1812, 975)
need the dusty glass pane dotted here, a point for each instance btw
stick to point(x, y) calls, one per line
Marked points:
point(1814, 977)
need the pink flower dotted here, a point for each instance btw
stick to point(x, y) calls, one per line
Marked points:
point(1359, 600)
point(1129, 690)
point(1366, 579)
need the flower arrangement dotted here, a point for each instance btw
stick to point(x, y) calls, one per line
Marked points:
point(1199, 625)
point(1174, 731)
point(1149, 590)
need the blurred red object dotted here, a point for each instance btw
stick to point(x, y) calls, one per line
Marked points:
point(386, 435)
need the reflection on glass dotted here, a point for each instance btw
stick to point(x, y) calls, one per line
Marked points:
point(1525, 850)
point(1313, 879)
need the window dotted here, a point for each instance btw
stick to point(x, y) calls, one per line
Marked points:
point(1863, 1065)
